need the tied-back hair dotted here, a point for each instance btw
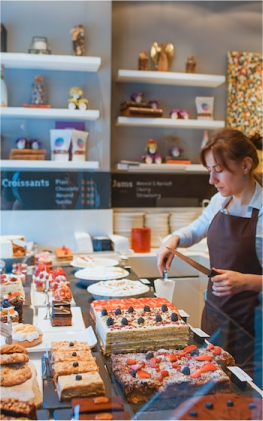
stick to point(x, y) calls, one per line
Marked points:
point(233, 145)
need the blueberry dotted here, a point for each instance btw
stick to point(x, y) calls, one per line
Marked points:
point(130, 309)
point(174, 317)
point(110, 321)
point(193, 413)
point(133, 373)
point(209, 405)
point(164, 308)
point(230, 403)
point(74, 354)
point(252, 405)
point(146, 309)
point(194, 352)
point(124, 321)
point(158, 318)
point(78, 377)
point(186, 371)
point(75, 364)
point(140, 320)
point(117, 311)
point(5, 303)
point(149, 355)
point(104, 312)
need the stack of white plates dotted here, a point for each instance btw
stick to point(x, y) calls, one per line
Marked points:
point(182, 217)
point(123, 222)
point(159, 224)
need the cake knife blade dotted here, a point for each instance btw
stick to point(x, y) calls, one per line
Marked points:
point(208, 272)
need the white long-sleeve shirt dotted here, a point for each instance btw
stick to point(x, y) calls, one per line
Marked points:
point(194, 232)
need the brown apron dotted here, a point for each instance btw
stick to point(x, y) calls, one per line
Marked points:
point(230, 320)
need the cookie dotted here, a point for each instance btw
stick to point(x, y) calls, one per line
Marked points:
point(10, 349)
point(14, 358)
point(14, 374)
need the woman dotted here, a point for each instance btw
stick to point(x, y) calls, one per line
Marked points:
point(232, 223)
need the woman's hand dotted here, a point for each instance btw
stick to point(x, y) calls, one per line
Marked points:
point(164, 256)
point(228, 283)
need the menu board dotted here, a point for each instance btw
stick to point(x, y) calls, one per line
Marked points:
point(32, 190)
point(140, 190)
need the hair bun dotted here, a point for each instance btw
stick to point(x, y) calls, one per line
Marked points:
point(256, 139)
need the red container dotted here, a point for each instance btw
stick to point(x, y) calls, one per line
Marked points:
point(141, 240)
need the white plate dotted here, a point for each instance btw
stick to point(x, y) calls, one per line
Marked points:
point(45, 325)
point(117, 289)
point(38, 299)
point(96, 261)
point(99, 273)
point(86, 335)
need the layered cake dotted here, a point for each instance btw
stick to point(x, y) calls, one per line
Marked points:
point(100, 408)
point(127, 325)
point(226, 406)
point(63, 253)
point(10, 283)
point(12, 246)
point(183, 372)
point(61, 314)
point(75, 371)
point(41, 277)
point(16, 300)
point(9, 312)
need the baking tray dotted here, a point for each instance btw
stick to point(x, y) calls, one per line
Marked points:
point(50, 397)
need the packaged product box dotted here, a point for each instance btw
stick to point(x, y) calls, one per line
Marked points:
point(204, 107)
point(79, 144)
point(60, 141)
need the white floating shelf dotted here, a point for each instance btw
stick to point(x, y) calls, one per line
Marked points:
point(50, 62)
point(169, 122)
point(24, 112)
point(165, 168)
point(48, 165)
point(170, 78)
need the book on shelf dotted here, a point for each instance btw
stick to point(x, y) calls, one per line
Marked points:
point(179, 161)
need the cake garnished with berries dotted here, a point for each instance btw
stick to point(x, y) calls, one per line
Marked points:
point(183, 372)
point(142, 324)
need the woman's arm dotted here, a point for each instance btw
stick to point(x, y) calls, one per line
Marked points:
point(230, 282)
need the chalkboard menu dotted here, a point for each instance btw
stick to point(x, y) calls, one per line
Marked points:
point(31, 190)
point(140, 190)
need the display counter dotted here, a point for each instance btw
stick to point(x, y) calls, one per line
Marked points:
point(157, 407)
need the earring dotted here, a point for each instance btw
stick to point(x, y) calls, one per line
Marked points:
point(245, 177)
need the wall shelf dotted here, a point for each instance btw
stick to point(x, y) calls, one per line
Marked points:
point(50, 62)
point(170, 78)
point(162, 168)
point(48, 165)
point(169, 122)
point(40, 113)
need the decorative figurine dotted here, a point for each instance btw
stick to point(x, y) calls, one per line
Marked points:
point(77, 36)
point(154, 104)
point(143, 61)
point(176, 151)
point(76, 102)
point(21, 143)
point(179, 114)
point(152, 156)
point(137, 97)
point(190, 64)
point(38, 91)
point(162, 56)
point(39, 45)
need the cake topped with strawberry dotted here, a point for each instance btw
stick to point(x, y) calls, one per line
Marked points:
point(41, 277)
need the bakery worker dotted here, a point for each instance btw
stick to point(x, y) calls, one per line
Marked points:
point(232, 223)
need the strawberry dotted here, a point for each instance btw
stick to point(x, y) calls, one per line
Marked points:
point(141, 374)
point(210, 346)
point(172, 357)
point(135, 367)
point(189, 348)
point(208, 367)
point(196, 374)
point(129, 361)
point(164, 373)
point(203, 358)
point(175, 365)
point(217, 350)
point(153, 362)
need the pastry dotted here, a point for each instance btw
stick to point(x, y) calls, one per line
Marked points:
point(70, 345)
point(15, 299)
point(26, 335)
point(226, 406)
point(62, 293)
point(11, 283)
point(16, 357)
point(101, 403)
point(14, 374)
point(172, 372)
point(4, 312)
point(73, 367)
point(11, 407)
point(126, 325)
point(41, 277)
point(63, 253)
point(80, 385)
point(61, 315)
point(10, 349)
point(60, 356)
